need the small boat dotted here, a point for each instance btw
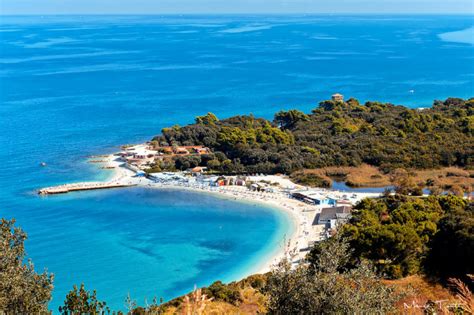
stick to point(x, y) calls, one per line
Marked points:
point(412, 91)
point(43, 164)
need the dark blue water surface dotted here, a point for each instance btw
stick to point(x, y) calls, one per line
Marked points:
point(72, 86)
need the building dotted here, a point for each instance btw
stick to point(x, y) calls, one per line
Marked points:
point(183, 150)
point(138, 155)
point(199, 150)
point(333, 216)
point(140, 160)
point(337, 97)
point(313, 197)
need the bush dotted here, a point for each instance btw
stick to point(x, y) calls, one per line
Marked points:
point(452, 248)
point(22, 289)
point(328, 286)
point(402, 235)
point(221, 292)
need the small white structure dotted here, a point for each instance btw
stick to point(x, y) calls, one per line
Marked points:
point(337, 97)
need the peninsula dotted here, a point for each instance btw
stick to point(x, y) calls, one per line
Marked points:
point(365, 145)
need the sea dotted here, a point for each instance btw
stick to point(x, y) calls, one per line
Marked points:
point(74, 86)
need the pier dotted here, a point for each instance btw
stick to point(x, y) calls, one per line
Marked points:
point(62, 189)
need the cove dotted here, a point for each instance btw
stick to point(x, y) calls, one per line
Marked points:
point(148, 242)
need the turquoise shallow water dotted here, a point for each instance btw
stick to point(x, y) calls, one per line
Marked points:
point(75, 86)
point(147, 242)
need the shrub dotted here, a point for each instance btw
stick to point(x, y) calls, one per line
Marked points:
point(221, 292)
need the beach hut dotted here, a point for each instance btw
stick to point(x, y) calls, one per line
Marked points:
point(239, 181)
point(313, 197)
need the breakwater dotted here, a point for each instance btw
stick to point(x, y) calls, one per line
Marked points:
point(62, 189)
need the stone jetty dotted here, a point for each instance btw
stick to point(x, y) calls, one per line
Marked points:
point(62, 189)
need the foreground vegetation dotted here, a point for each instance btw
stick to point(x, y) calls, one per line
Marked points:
point(341, 134)
point(22, 289)
point(387, 238)
point(404, 235)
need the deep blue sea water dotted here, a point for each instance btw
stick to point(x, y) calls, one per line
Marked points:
point(71, 86)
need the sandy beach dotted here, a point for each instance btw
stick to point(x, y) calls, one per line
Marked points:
point(294, 247)
point(301, 221)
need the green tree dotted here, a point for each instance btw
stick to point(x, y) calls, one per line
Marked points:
point(452, 248)
point(189, 161)
point(80, 301)
point(394, 232)
point(341, 134)
point(22, 289)
point(404, 183)
point(222, 292)
point(328, 286)
point(289, 119)
point(208, 119)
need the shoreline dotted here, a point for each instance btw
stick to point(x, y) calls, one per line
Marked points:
point(297, 240)
point(236, 194)
point(301, 215)
point(275, 255)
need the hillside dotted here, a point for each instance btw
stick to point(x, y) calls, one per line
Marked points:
point(336, 133)
point(418, 292)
